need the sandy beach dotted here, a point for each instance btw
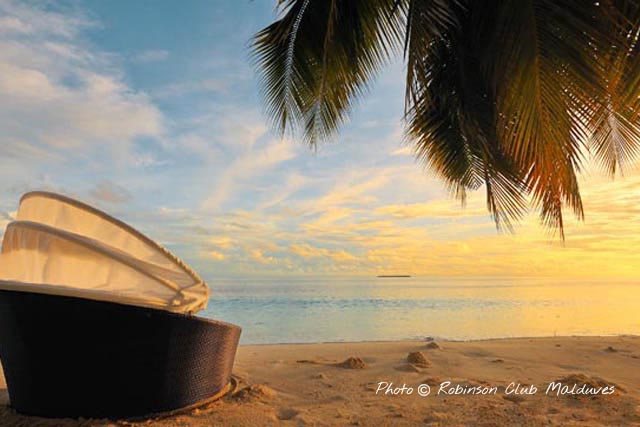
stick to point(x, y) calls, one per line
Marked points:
point(310, 385)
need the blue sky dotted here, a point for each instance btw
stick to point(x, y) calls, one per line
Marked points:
point(151, 111)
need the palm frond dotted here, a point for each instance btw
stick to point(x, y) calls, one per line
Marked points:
point(427, 21)
point(540, 52)
point(614, 125)
point(453, 123)
point(506, 94)
point(320, 57)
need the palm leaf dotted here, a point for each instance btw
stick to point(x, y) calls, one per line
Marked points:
point(614, 123)
point(453, 123)
point(426, 22)
point(509, 94)
point(538, 54)
point(320, 56)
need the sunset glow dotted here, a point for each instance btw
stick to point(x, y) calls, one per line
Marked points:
point(166, 130)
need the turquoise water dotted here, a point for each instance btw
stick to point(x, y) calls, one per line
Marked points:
point(363, 309)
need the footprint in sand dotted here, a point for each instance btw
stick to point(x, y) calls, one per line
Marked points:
point(287, 414)
point(477, 353)
point(408, 367)
point(435, 418)
point(370, 386)
point(255, 391)
point(432, 381)
point(515, 398)
point(309, 362)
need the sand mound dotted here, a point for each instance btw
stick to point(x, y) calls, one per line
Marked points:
point(352, 363)
point(418, 358)
point(432, 346)
point(593, 382)
point(581, 379)
point(256, 392)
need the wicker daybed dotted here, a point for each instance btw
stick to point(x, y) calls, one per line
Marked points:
point(97, 320)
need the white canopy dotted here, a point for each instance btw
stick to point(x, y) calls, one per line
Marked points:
point(61, 246)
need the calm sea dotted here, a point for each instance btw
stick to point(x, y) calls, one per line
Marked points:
point(357, 309)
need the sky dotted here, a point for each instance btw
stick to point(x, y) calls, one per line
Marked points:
point(151, 111)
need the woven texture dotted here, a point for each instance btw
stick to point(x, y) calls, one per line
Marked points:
point(73, 357)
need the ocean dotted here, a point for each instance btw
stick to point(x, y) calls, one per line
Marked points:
point(338, 309)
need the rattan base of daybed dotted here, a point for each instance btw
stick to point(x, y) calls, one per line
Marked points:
point(75, 357)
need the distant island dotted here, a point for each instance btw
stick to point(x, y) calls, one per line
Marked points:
point(388, 276)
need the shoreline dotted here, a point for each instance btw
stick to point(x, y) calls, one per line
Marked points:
point(440, 339)
point(335, 384)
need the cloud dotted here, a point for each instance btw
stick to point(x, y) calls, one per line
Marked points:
point(11, 24)
point(354, 188)
point(152, 55)
point(35, 19)
point(442, 208)
point(403, 151)
point(222, 242)
point(109, 192)
point(66, 98)
point(282, 191)
point(172, 212)
point(5, 218)
point(215, 255)
point(435, 238)
point(205, 86)
point(246, 166)
point(307, 251)
point(258, 256)
point(147, 160)
point(218, 135)
point(19, 149)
